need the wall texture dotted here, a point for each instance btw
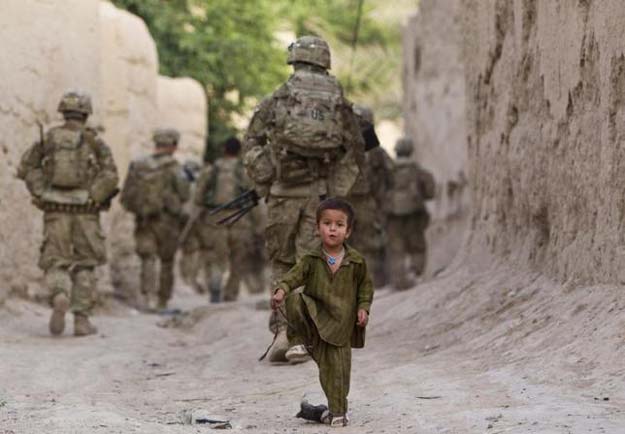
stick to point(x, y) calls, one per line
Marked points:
point(182, 105)
point(434, 99)
point(41, 58)
point(546, 118)
point(47, 48)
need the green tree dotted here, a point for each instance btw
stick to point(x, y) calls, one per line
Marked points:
point(226, 45)
point(231, 48)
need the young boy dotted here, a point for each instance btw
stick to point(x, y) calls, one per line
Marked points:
point(328, 317)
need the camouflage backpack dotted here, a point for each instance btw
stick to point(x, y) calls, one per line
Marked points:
point(68, 163)
point(147, 185)
point(308, 124)
point(405, 195)
point(225, 183)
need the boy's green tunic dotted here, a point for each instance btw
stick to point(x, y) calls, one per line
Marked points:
point(324, 316)
point(332, 300)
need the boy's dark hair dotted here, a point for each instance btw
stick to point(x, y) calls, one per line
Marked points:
point(337, 204)
point(232, 146)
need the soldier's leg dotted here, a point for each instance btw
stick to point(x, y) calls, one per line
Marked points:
point(236, 257)
point(167, 231)
point(284, 215)
point(59, 284)
point(189, 263)
point(306, 238)
point(91, 251)
point(148, 275)
point(83, 300)
point(335, 364)
point(400, 276)
point(166, 282)
point(146, 248)
point(417, 245)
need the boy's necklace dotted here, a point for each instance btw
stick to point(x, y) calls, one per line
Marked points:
point(333, 260)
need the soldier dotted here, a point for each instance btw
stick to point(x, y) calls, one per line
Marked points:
point(408, 217)
point(72, 177)
point(368, 195)
point(224, 247)
point(155, 191)
point(303, 143)
point(190, 261)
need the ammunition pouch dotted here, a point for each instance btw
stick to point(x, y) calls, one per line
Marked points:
point(71, 201)
point(296, 170)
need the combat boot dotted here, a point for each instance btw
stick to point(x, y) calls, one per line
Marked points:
point(279, 348)
point(215, 292)
point(60, 305)
point(82, 326)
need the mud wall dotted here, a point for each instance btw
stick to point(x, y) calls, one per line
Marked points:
point(50, 47)
point(182, 105)
point(434, 100)
point(41, 58)
point(546, 119)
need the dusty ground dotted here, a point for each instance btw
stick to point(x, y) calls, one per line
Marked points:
point(468, 352)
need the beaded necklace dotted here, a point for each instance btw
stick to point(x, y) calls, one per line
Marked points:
point(333, 260)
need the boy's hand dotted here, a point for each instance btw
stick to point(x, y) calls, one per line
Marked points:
point(363, 318)
point(277, 299)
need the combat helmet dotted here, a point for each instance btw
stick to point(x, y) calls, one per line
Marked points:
point(404, 147)
point(75, 101)
point(166, 137)
point(310, 49)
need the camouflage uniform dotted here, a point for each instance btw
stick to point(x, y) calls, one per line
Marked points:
point(223, 247)
point(155, 191)
point(367, 196)
point(72, 177)
point(408, 217)
point(303, 143)
point(190, 261)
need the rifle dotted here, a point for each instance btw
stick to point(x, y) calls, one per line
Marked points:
point(41, 134)
point(242, 204)
point(195, 216)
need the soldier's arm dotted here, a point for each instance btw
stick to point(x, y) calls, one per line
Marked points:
point(127, 187)
point(353, 136)
point(201, 186)
point(256, 156)
point(256, 134)
point(182, 185)
point(104, 185)
point(427, 184)
point(30, 170)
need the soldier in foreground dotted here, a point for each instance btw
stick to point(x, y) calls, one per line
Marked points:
point(408, 217)
point(303, 143)
point(223, 247)
point(72, 177)
point(368, 195)
point(155, 191)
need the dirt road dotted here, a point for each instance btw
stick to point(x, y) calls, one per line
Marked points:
point(139, 377)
